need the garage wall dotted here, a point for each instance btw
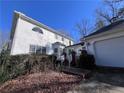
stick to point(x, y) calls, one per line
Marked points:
point(110, 52)
point(103, 44)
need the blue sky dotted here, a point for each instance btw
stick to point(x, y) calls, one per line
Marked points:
point(58, 14)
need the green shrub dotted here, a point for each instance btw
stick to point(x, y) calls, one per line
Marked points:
point(86, 60)
point(14, 66)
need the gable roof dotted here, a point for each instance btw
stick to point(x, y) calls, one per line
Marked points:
point(24, 17)
point(106, 28)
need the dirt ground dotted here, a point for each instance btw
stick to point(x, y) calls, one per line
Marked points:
point(50, 82)
point(101, 83)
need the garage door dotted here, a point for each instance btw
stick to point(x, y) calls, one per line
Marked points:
point(110, 52)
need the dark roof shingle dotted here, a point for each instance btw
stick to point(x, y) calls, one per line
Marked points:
point(106, 28)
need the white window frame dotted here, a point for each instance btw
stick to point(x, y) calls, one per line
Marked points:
point(35, 50)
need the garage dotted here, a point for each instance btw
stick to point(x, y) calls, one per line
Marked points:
point(110, 52)
point(107, 45)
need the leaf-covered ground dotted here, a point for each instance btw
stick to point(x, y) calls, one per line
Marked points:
point(52, 82)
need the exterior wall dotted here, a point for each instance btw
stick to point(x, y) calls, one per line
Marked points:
point(76, 48)
point(59, 50)
point(24, 37)
point(110, 52)
point(91, 42)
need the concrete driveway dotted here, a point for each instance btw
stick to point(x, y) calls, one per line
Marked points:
point(102, 83)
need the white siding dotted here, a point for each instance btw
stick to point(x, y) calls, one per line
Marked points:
point(110, 52)
point(75, 48)
point(24, 37)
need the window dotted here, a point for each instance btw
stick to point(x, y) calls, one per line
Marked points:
point(38, 50)
point(55, 50)
point(32, 49)
point(43, 50)
point(69, 42)
point(37, 29)
point(56, 36)
point(62, 38)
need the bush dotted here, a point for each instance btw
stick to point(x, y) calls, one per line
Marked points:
point(14, 66)
point(86, 60)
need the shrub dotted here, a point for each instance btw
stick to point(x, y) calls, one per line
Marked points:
point(86, 60)
point(14, 66)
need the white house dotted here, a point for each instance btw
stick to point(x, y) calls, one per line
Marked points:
point(31, 36)
point(107, 45)
point(76, 48)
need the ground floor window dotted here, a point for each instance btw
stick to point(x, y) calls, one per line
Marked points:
point(36, 49)
point(55, 50)
point(32, 49)
point(43, 50)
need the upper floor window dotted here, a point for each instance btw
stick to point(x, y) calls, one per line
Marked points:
point(62, 38)
point(69, 42)
point(56, 36)
point(37, 29)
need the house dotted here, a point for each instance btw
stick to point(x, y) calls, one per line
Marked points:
point(30, 36)
point(58, 49)
point(107, 45)
point(76, 48)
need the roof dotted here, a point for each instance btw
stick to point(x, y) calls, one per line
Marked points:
point(76, 45)
point(24, 17)
point(106, 28)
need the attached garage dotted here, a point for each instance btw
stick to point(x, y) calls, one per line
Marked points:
point(107, 45)
point(110, 52)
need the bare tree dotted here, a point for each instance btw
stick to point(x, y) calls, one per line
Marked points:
point(99, 23)
point(114, 11)
point(1, 41)
point(83, 28)
point(65, 32)
point(121, 12)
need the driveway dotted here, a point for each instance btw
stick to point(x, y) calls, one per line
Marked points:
point(102, 83)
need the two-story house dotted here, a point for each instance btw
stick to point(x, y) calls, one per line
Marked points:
point(30, 36)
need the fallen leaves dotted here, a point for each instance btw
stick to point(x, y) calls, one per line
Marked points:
point(52, 82)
